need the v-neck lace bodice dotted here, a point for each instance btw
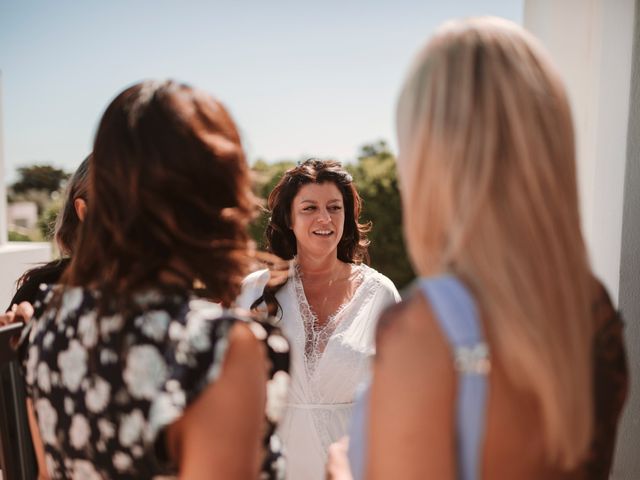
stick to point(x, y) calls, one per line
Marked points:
point(327, 362)
point(317, 335)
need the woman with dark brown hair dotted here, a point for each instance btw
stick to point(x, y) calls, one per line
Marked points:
point(65, 233)
point(131, 371)
point(17, 458)
point(328, 308)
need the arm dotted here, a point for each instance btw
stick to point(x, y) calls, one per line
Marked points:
point(337, 467)
point(411, 434)
point(38, 446)
point(219, 435)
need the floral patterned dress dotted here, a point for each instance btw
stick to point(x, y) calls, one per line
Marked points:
point(106, 385)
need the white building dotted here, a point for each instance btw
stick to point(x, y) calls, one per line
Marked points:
point(22, 215)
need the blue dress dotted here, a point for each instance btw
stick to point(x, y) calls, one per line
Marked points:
point(456, 313)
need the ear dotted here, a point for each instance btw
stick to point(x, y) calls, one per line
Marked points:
point(81, 208)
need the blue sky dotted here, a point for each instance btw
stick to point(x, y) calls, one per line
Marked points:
point(300, 78)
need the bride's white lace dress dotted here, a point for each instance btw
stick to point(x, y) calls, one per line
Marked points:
point(327, 363)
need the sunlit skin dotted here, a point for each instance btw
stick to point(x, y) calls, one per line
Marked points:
point(317, 221)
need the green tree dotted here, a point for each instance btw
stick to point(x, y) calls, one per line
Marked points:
point(43, 185)
point(376, 179)
point(47, 220)
point(266, 176)
point(40, 177)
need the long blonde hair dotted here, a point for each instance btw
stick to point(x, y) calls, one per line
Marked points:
point(487, 168)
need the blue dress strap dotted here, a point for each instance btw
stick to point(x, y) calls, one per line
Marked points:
point(455, 311)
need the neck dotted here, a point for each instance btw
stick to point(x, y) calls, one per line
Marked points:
point(314, 266)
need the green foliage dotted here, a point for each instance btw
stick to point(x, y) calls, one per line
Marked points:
point(18, 237)
point(44, 185)
point(47, 220)
point(375, 178)
point(266, 176)
point(39, 177)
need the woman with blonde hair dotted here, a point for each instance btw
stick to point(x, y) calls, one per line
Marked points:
point(507, 361)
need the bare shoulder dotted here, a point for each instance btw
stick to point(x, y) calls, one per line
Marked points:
point(410, 330)
point(412, 395)
point(244, 346)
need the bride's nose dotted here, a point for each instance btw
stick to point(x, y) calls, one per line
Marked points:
point(324, 216)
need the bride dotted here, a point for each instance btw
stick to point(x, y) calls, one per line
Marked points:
point(328, 307)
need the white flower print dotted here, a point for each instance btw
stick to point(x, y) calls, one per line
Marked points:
point(175, 331)
point(88, 329)
point(31, 364)
point(71, 301)
point(145, 371)
point(69, 407)
point(84, 469)
point(47, 420)
point(79, 432)
point(52, 466)
point(97, 397)
point(111, 324)
point(278, 343)
point(196, 334)
point(203, 309)
point(258, 330)
point(108, 356)
point(137, 451)
point(275, 444)
point(155, 323)
point(148, 297)
point(277, 389)
point(47, 342)
point(131, 428)
point(107, 429)
point(172, 386)
point(73, 365)
point(122, 461)
point(162, 412)
point(44, 377)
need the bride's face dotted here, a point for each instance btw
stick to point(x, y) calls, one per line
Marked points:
point(317, 218)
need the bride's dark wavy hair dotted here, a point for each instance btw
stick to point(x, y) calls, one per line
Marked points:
point(353, 246)
point(169, 190)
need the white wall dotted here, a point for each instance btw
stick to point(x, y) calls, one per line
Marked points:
point(15, 259)
point(627, 458)
point(591, 43)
